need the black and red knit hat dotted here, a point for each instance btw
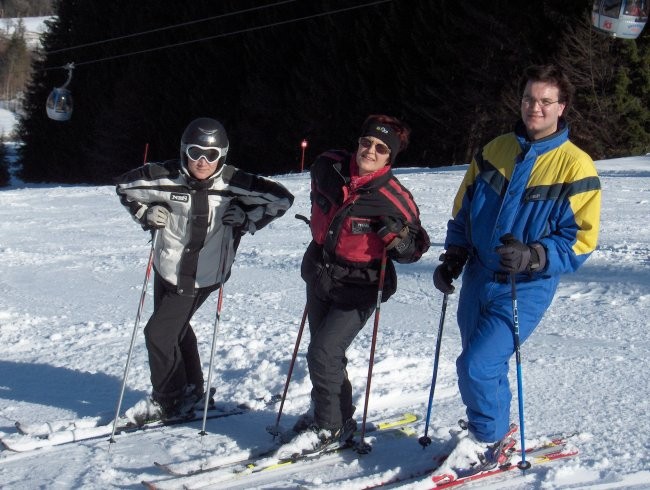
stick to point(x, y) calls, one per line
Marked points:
point(385, 133)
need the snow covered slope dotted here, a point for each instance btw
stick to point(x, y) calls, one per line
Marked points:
point(72, 265)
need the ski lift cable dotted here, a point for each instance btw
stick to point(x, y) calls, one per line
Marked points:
point(226, 34)
point(159, 29)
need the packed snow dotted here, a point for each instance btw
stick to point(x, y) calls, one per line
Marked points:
point(73, 265)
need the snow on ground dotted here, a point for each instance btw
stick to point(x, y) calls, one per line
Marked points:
point(73, 265)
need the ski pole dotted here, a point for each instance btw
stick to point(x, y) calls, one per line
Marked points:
point(425, 440)
point(217, 320)
point(133, 335)
point(275, 430)
point(523, 464)
point(362, 447)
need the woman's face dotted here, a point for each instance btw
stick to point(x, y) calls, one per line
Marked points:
point(372, 155)
point(201, 169)
point(202, 161)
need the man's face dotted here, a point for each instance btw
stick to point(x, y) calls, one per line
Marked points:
point(541, 109)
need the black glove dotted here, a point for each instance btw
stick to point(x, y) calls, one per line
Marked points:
point(390, 225)
point(516, 256)
point(453, 261)
point(234, 216)
point(156, 217)
point(403, 244)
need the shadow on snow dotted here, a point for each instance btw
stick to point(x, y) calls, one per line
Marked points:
point(86, 394)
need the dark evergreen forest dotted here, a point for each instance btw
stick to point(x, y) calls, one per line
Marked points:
point(275, 72)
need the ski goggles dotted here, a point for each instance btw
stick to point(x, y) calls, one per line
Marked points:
point(380, 148)
point(210, 153)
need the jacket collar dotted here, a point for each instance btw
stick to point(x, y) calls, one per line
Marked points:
point(369, 180)
point(545, 144)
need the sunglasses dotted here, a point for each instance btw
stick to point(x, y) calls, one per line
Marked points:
point(380, 148)
point(196, 152)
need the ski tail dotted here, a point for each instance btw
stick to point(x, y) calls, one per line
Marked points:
point(76, 431)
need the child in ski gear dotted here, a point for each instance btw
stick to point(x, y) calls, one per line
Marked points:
point(200, 208)
point(358, 209)
point(528, 206)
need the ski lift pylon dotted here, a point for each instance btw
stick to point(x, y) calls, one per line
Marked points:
point(620, 18)
point(59, 103)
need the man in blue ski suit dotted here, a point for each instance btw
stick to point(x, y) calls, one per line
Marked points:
point(538, 187)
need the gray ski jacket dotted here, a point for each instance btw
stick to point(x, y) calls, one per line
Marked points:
point(189, 251)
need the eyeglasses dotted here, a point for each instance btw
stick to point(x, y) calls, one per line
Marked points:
point(196, 152)
point(380, 148)
point(530, 102)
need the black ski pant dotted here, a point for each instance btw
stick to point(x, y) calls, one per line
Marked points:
point(332, 328)
point(174, 359)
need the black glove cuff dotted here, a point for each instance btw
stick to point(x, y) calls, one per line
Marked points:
point(537, 256)
point(404, 245)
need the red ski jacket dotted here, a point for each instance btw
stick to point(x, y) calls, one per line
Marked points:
point(342, 263)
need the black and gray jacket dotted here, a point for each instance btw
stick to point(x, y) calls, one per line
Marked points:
point(190, 249)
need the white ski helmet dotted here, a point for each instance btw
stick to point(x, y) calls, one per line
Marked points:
point(205, 132)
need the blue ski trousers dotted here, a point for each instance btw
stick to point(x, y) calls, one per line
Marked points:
point(485, 318)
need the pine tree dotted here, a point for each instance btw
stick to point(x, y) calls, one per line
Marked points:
point(610, 116)
point(15, 62)
point(279, 73)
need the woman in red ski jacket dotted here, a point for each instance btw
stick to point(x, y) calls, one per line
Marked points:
point(358, 209)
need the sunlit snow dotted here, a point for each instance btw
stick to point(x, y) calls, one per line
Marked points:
point(72, 266)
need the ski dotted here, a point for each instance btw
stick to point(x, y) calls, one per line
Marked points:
point(196, 466)
point(198, 472)
point(37, 436)
point(191, 467)
point(44, 429)
point(553, 451)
